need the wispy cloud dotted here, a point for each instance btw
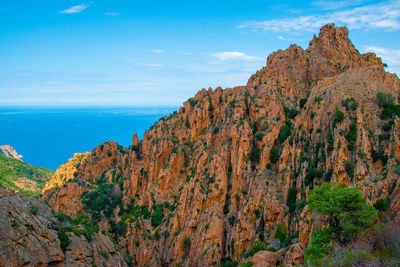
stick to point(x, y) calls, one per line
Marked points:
point(152, 66)
point(223, 56)
point(374, 16)
point(157, 51)
point(112, 14)
point(330, 5)
point(74, 9)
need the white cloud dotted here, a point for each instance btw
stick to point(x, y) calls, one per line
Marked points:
point(235, 56)
point(374, 16)
point(157, 51)
point(74, 9)
point(112, 14)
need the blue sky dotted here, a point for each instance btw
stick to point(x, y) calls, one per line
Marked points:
point(151, 53)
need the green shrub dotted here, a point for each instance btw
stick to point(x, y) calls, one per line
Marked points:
point(254, 248)
point(382, 204)
point(259, 136)
point(318, 99)
point(281, 233)
point(291, 199)
point(228, 262)
point(63, 237)
point(349, 167)
point(246, 264)
point(290, 113)
point(312, 173)
point(274, 154)
point(165, 234)
point(384, 100)
point(216, 130)
point(352, 135)
point(339, 117)
point(118, 229)
point(350, 103)
point(157, 215)
point(285, 131)
point(255, 155)
point(302, 102)
point(186, 243)
point(34, 209)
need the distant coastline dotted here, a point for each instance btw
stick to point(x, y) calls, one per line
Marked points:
point(48, 136)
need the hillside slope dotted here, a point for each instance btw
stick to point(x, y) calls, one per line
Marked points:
point(21, 176)
point(234, 167)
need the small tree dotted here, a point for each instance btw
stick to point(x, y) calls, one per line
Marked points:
point(274, 154)
point(344, 211)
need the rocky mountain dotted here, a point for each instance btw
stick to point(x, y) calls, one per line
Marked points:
point(23, 177)
point(226, 178)
point(9, 151)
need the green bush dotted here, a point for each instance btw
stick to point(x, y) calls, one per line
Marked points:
point(291, 199)
point(384, 100)
point(350, 103)
point(216, 130)
point(302, 102)
point(259, 136)
point(186, 243)
point(285, 131)
point(339, 117)
point(312, 173)
point(247, 264)
point(351, 135)
point(157, 215)
point(274, 154)
point(255, 155)
point(349, 167)
point(254, 248)
point(318, 99)
point(382, 204)
point(281, 233)
point(228, 262)
point(290, 113)
point(34, 209)
point(63, 237)
point(118, 229)
point(165, 234)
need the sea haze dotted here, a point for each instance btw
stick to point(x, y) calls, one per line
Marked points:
point(48, 137)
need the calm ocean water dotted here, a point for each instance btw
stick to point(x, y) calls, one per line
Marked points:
point(48, 137)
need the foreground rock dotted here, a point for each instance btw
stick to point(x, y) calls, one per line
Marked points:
point(29, 237)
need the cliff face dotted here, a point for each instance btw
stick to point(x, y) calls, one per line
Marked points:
point(232, 165)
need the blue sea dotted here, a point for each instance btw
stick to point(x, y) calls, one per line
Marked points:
point(48, 137)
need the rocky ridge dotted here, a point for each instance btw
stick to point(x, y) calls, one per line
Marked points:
point(234, 167)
